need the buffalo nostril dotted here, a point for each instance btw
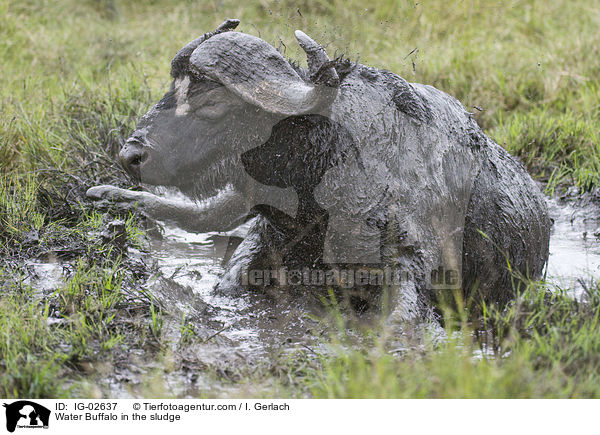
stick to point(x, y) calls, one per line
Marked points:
point(132, 158)
point(136, 159)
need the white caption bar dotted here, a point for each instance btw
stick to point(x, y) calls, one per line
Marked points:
point(243, 416)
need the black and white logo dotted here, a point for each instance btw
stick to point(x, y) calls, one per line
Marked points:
point(25, 414)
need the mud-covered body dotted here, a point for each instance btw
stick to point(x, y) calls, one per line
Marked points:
point(424, 190)
point(447, 195)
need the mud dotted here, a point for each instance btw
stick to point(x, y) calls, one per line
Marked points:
point(205, 329)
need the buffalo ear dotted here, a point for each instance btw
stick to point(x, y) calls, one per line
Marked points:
point(259, 74)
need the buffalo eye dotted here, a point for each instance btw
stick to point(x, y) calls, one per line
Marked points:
point(212, 110)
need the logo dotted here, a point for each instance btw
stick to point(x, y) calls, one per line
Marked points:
point(25, 414)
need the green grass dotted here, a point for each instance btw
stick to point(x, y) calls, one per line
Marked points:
point(48, 343)
point(544, 345)
point(30, 366)
point(87, 69)
point(77, 74)
point(48, 339)
point(562, 149)
point(36, 353)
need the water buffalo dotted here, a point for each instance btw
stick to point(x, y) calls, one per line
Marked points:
point(344, 167)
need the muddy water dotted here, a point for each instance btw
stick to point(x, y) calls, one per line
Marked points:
point(194, 261)
point(190, 264)
point(252, 327)
point(229, 330)
point(574, 259)
point(249, 326)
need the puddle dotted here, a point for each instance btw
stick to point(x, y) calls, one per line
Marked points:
point(242, 327)
point(574, 248)
point(44, 277)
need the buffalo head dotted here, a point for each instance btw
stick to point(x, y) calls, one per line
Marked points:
point(228, 90)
